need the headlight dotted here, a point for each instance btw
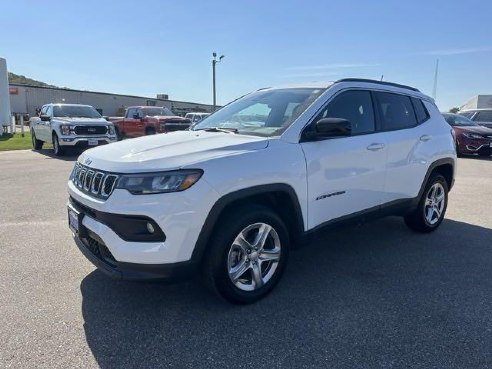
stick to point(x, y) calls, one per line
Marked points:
point(151, 183)
point(65, 129)
point(472, 135)
point(111, 130)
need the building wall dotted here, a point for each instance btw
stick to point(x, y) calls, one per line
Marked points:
point(478, 102)
point(26, 99)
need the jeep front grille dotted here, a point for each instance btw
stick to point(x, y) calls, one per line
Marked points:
point(93, 182)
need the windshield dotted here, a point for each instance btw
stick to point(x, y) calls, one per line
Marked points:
point(75, 111)
point(152, 112)
point(262, 113)
point(458, 120)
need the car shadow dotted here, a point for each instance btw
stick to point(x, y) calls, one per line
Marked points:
point(371, 296)
point(69, 155)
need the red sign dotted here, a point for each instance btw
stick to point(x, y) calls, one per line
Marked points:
point(13, 90)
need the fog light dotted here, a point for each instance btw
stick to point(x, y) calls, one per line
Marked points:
point(150, 227)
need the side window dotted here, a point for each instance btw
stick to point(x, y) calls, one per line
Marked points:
point(140, 113)
point(130, 113)
point(420, 110)
point(396, 111)
point(356, 107)
point(484, 116)
point(44, 109)
point(49, 111)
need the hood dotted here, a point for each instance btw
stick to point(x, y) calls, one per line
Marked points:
point(474, 129)
point(79, 121)
point(168, 151)
point(174, 118)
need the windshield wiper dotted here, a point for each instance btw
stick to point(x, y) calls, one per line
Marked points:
point(219, 129)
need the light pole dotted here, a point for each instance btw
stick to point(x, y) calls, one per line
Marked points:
point(215, 61)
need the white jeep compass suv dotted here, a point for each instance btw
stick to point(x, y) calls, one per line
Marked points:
point(230, 197)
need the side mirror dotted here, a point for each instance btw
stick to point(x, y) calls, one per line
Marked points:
point(45, 118)
point(136, 116)
point(330, 127)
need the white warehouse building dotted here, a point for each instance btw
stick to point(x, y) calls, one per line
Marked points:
point(25, 99)
point(478, 102)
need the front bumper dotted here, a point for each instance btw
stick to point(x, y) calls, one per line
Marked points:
point(83, 141)
point(99, 255)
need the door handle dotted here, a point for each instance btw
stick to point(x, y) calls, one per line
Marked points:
point(375, 147)
point(425, 138)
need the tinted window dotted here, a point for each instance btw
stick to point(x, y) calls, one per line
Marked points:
point(420, 110)
point(396, 111)
point(458, 120)
point(467, 114)
point(131, 112)
point(484, 116)
point(356, 107)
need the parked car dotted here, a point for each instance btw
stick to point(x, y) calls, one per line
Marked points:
point(196, 117)
point(482, 117)
point(228, 199)
point(69, 126)
point(470, 137)
point(148, 120)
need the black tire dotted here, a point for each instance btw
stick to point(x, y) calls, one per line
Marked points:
point(36, 144)
point(417, 220)
point(149, 131)
point(118, 134)
point(57, 149)
point(221, 250)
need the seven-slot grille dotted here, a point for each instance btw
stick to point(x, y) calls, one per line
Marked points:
point(94, 182)
point(90, 130)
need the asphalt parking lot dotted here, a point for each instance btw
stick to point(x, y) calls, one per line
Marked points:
point(377, 296)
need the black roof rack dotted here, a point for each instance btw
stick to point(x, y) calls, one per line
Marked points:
point(377, 82)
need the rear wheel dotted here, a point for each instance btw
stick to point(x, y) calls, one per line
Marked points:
point(432, 206)
point(247, 254)
point(150, 131)
point(57, 150)
point(36, 144)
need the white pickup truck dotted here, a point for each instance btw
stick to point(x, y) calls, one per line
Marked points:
point(70, 125)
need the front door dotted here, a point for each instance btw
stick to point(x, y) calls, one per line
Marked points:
point(345, 175)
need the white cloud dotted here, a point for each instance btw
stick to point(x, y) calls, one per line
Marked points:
point(457, 51)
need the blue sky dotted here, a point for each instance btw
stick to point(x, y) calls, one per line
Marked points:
point(150, 47)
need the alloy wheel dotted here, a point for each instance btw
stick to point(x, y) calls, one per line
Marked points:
point(254, 256)
point(434, 203)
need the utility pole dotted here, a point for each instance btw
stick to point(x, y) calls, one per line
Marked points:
point(434, 90)
point(214, 62)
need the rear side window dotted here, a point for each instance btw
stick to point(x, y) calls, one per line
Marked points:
point(355, 106)
point(396, 111)
point(420, 111)
point(484, 116)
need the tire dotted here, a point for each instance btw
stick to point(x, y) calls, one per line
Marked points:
point(429, 214)
point(57, 149)
point(225, 257)
point(36, 144)
point(149, 131)
point(119, 137)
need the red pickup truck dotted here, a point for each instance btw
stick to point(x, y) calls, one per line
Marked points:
point(148, 120)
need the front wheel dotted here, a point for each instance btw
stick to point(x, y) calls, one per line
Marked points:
point(36, 144)
point(247, 254)
point(432, 206)
point(57, 150)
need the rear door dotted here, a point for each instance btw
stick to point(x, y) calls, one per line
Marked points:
point(345, 175)
point(131, 122)
point(405, 123)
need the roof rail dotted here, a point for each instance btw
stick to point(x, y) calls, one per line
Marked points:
point(377, 82)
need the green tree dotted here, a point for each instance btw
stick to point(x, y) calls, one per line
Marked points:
point(454, 110)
